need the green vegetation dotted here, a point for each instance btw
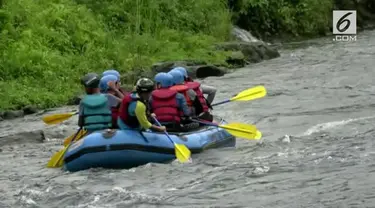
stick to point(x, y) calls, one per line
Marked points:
point(288, 18)
point(47, 45)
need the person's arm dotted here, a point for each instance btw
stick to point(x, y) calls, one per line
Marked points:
point(140, 113)
point(113, 101)
point(113, 87)
point(181, 101)
point(209, 91)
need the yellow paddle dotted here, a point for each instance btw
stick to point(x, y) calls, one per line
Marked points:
point(240, 130)
point(81, 133)
point(258, 135)
point(56, 160)
point(246, 95)
point(57, 118)
point(181, 151)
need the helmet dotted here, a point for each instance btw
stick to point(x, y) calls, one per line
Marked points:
point(104, 82)
point(112, 72)
point(144, 85)
point(90, 80)
point(178, 77)
point(166, 80)
point(182, 70)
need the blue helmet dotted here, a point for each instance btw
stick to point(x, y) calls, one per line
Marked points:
point(166, 80)
point(182, 70)
point(112, 72)
point(178, 77)
point(104, 82)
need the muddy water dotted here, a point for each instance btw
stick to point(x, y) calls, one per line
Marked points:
point(317, 151)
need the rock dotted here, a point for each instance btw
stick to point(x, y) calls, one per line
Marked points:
point(236, 59)
point(13, 114)
point(30, 110)
point(195, 69)
point(254, 52)
point(75, 100)
point(23, 137)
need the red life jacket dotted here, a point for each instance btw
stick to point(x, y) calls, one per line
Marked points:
point(115, 113)
point(123, 91)
point(164, 105)
point(183, 90)
point(129, 120)
point(196, 87)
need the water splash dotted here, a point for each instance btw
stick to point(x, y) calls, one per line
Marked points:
point(243, 35)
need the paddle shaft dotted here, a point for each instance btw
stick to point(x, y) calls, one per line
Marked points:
point(226, 127)
point(219, 103)
point(71, 142)
point(229, 100)
point(165, 132)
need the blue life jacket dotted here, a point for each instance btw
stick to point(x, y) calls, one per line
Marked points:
point(96, 113)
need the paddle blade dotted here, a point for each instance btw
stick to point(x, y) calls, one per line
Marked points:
point(56, 160)
point(57, 118)
point(258, 135)
point(182, 153)
point(79, 136)
point(241, 130)
point(250, 94)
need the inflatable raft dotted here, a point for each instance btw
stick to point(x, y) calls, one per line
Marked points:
point(129, 148)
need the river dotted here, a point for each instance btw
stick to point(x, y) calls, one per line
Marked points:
point(317, 148)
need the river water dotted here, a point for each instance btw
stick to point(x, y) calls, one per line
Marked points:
point(317, 151)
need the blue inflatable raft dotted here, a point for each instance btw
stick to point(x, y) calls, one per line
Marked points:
point(129, 148)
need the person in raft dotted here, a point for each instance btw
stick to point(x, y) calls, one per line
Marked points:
point(205, 89)
point(190, 96)
point(133, 108)
point(108, 87)
point(168, 105)
point(94, 110)
point(201, 110)
point(118, 83)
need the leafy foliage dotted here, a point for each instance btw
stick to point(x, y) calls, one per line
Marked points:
point(267, 18)
point(47, 45)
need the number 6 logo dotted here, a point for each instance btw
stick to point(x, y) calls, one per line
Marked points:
point(343, 20)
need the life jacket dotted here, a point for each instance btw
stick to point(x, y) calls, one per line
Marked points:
point(183, 90)
point(164, 105)
point(124, 115)
point(96, 114)
point(115, 114)
point(123, 91)
point(196, 87)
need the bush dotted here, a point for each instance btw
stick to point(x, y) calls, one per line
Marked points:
point(267, 18)
point(47, 45)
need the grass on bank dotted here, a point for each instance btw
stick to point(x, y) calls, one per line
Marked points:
point(47, 45)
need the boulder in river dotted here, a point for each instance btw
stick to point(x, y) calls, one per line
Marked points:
point(13, 114)
point(30, 110)
point(36, 136)
point(254, 52)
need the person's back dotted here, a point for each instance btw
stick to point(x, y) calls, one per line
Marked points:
point(133, 108)
point(201, 104)
point(190, 96)
point(168, 105)
point(204, 89)
point(94, 110)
